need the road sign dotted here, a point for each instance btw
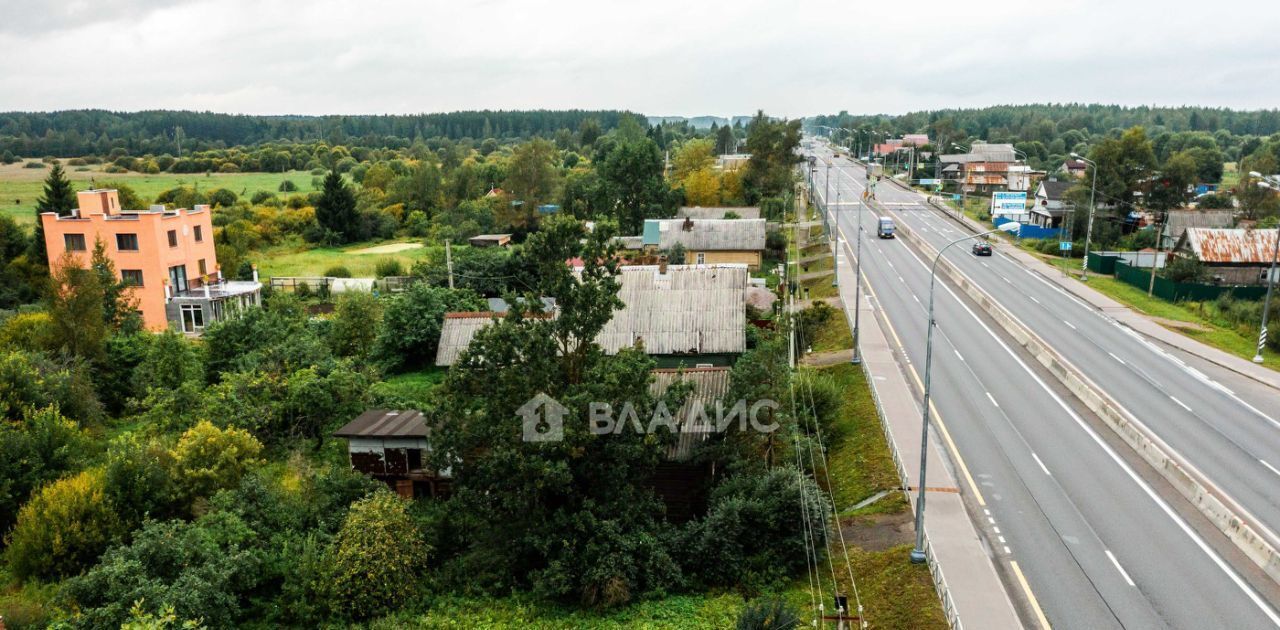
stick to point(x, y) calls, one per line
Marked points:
point(930, 182)
point(1064, 246)
point(955, 197)
point(1008, 203)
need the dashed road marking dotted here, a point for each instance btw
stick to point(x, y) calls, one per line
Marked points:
point(1269, 466)
point(1042, 466)
point(1180, 403)
point(1120, 568)
point(1113, 355)
point(992, 399)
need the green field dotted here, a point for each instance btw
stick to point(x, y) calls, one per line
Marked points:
point(301, 259)
point(20, 187)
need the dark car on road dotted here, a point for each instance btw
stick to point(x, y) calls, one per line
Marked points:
point(981, 249)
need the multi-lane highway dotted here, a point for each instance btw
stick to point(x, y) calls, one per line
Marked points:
point(1102, 544)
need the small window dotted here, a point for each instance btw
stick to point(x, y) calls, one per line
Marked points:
point(702, 258)
point(74, 242)
point(192, 318)
point(199, 234)
point(173, 238)
point(203, 271)
point(127, 242)
point(131, 277)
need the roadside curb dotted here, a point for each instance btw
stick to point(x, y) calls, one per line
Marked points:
point(1210, 501)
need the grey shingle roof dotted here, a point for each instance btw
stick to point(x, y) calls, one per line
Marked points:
point(690, 309)
point(718, 212)
point(713, 234)
point(709, 386)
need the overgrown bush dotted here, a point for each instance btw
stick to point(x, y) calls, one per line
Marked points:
point(374, 558)
point(337, 271)
point(388, 267)
point(63, 528)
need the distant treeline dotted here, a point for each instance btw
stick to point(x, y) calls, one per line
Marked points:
point(97, 132)
point(1042, 122)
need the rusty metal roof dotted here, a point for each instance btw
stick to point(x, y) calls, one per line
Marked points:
point(384, 423)
point(1215, 245)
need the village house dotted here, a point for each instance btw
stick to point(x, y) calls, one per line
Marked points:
point(392, 446)
point(165, 257)
point(1177, 222)
point(682, 315)
point(1051, 205)
point(1234, 257)
point(708, 241)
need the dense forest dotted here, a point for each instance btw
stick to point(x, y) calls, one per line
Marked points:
point(96, 132)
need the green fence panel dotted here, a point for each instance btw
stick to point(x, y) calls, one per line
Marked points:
point(1105, 265)
point(1172, 291)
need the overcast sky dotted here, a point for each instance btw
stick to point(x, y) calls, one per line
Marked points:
point(661, 57)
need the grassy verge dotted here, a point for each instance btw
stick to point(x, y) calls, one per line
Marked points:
point(834, 334)
point(713, 610)
point(1220, 335)
point(302, 259)
point(818, 288)
point(21, 187)
point(860, 460)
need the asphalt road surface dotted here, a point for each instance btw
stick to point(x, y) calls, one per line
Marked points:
point(1102, 545)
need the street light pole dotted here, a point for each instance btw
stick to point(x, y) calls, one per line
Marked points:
point(918, 554)
point(857, 289)
point(1088, 230)
point(1274, 184)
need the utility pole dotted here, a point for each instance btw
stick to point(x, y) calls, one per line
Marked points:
point(1151, 286)
point(1088, 230)
point(448, 260)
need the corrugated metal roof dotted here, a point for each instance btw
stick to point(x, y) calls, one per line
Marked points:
point(1213, 245)
point(385, 423)
point(709, 386)
point(708, 234)
point(690, 309)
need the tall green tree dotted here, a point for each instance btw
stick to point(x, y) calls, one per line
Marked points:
point(571, 518)
point(772, 145)
point(77, 308)
point(632, 174)
point(60, 197)
point(532, 176)
point(336, 210)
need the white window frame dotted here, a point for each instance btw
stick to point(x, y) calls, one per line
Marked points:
point(189, 312)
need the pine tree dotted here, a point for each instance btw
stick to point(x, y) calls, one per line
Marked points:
point(58, 197)
point(336, 209)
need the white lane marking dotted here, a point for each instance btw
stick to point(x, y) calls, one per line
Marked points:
point(1042, 466)
point(1006, 550)
point(1001, 538)
point(1119, 568)
point(1270, 467)
point(984, 264)
point(900, 279)
point(1180, 403)
point(1069, 324)
point(913, 296)
point(1006, 279)
point(1033, 299)
point(1113, 355)
point(1146, 488)
point(986, 511)
point(958, 355)
point(995, 529)
point(992, 399)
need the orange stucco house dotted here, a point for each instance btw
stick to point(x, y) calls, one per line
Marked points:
point(166, 257)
